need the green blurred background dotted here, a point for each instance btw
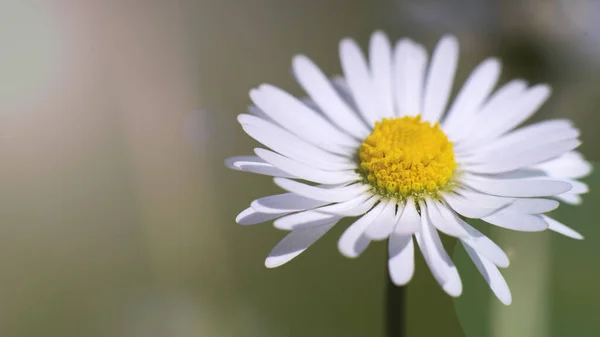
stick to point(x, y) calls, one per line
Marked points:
point(117, 213)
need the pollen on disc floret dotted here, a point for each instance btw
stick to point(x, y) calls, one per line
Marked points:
point(406, 157)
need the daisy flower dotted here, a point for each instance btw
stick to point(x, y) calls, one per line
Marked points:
point(385, 143)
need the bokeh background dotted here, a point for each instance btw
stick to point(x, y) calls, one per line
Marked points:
point(117, 213)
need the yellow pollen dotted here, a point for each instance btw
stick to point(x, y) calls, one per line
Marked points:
point(405, 157)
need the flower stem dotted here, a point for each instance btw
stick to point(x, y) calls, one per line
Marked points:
point(395, 309)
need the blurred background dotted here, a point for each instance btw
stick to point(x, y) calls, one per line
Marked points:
point(117, 213)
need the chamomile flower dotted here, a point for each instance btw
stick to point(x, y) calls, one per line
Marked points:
point(384, 144)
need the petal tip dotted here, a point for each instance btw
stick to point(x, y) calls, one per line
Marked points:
point(506, 298)
point(273, 262)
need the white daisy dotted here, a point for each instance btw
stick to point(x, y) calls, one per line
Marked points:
point(380, 144)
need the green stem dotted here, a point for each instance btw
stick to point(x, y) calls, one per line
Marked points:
point(395, 309)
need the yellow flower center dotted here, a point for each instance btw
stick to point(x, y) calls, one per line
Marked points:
point(405, 157)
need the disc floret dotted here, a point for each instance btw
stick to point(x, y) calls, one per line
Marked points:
point(406, 157)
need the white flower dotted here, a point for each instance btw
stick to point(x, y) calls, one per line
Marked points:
point(380, 144)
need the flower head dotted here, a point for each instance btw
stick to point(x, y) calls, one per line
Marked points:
point(381, 144)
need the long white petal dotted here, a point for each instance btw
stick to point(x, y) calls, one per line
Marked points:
point(517, 222)
point(532, 206)
point(383, 226)
point(409, 220)
point(292, 146)
point(559, 227)
point(302, 171)
point(359, 81)
point(483, 199)
point(341, 86)
point(255, 164)
point(354, 207)
point(570, 165)
point(401, 263)
point(380, 57)
point(464, 207)
point(338, 194)
point(296, 117)
point(310, 218)
point(492, 113)
point(492, 276)
point(286, 202)
point(353, 241)
point(320, 89)
point(571, 199)
point(521, 159)
point(294, 244)
point(517, 187)
point(438, 260)
point(529, 137)
point(484, 246)
point(443, 219)
point(250, 216)
point(471, 96)
point(526, 106)
point(440, 77)
point(577, 187)
point(410, 64)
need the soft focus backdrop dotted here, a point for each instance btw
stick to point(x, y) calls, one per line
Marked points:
point(117, 213)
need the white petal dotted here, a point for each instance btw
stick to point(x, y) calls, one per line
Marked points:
point(255, 164)
point(302, 171)
point(571, 199)
point(256, 111)
point(401, 263)
point(529, 137)
point(527, 105)
point(577, 187)
point(323, 194)
point(532, 206)
point(569, 165)
point(466, 207)
point(299, 119)
point(410, 62)
point(558, 227)
point(341, 86)
point(353, 207)
point(383, 226)
point(484, 246)
point(353, 241)
point(409, 220)
point(286, 202)
point(517, 222)
point(310, 218)
point(517, 187)
point(430, 252)
point(250, 216)
point(294, 244)
point(435, 255)
point(492, 276)
point(471, 96)
point(380, 59)
point(292, 146)
point(320, 89)
point(439, 78)
point(483, 199)
point(492, 113)
point(524, 173)
point(443, 219)
point(357, 76)
point(510, 161)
